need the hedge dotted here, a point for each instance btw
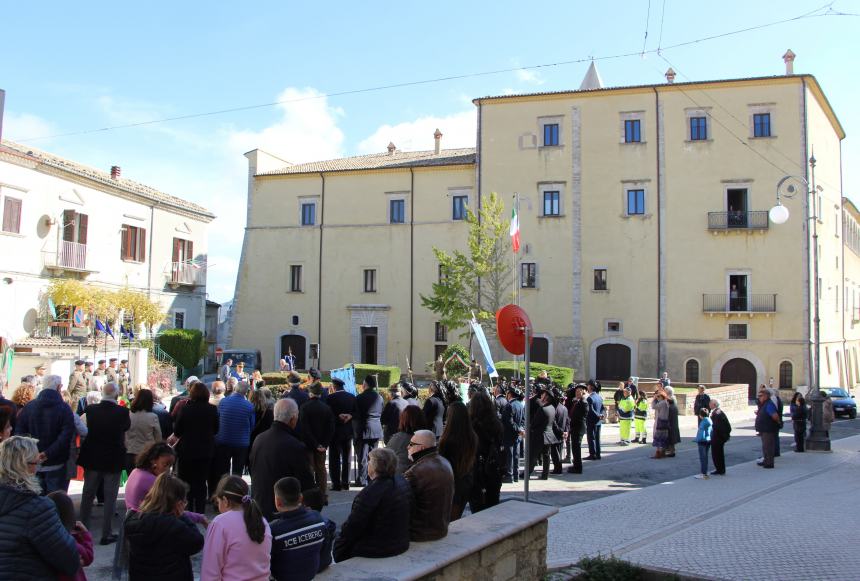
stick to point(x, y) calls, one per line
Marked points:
point(560, 375)
point(186, 346)
point(386, 375)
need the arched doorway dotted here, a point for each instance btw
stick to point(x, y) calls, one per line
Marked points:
point(739, 370)
point(613, 362)
point(295, 344)
point(540, 350)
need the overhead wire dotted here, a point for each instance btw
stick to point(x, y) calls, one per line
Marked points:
point(647, 23)
point(812, 14)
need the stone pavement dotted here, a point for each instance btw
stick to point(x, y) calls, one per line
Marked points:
point(794, 522)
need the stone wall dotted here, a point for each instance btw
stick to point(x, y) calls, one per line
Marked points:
point(520, 556)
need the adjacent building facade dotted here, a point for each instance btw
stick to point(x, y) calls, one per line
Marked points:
point(62, 219)
point(647, 244)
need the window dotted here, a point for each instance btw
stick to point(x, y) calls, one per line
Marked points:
point(397, 211)
point(179, 319)
point(460, 204)
point(528, 275)
point(600, 279)
point(309, 210)
point(370, 280)
point(698, 128)
point(632, 131)
point(613, 327)
point(75, 227)
point(550, 134)
point(133, 244)
point(737, 331)
point(761, 125)
point(11, 215)
point(635, 202)
point(441, 333)
point(785, 375)
point(551, 205)
point(295, 278)
point(691, 370)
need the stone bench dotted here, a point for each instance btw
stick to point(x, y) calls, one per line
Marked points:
point(507, 541)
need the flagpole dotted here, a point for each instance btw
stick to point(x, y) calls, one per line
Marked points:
point(515, 291)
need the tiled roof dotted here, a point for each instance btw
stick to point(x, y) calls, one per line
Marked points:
point(623, 87)
point(399, 159)
point(56, 342)
point(103, 177)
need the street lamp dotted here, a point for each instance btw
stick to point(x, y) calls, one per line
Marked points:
point(819, 439)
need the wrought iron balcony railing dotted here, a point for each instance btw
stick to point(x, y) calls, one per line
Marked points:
point(757, 220)
point(726, 303)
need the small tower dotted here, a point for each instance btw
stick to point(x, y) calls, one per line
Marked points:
point(788, 58)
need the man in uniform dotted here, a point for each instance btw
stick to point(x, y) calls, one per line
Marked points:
point(625, 415)
point(500, 401)
point(88, 374)
point(39, 375)
point(111, 372)
point(577, 412)
point(78, 381)
point(439, 368)
point(226, 373)
point(123, 375)
point(101, 369)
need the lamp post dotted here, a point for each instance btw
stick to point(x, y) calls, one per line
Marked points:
point(819, 439)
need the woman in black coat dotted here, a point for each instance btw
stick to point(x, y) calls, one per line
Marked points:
point(34, 544)
point(378, 525)
point(489, 466)
point(161, 539)
point(799, 415)
point(196, 427)
point(434, 409)
point(674, 428)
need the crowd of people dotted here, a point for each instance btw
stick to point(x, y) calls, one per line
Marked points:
point(192, 458)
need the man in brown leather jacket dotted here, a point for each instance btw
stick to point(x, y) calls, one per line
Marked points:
point(432, 481)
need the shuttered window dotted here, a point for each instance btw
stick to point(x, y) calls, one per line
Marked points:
point(133, 243)
point(12, 215)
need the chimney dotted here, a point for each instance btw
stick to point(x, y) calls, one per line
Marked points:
point(438, 138)
point(670, 75)
point(115, 172)
point(391, 148)
point(2, 102)
point(788, 58)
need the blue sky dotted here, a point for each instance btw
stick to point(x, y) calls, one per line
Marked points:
point(112, 63)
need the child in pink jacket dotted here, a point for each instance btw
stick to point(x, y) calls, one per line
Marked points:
point(83, 538)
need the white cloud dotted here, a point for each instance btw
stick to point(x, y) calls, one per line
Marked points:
point(20, 126)
point(307, 131)
point(458, 130)
point(529, 76)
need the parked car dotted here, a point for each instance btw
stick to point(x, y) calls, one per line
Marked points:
point(249, 357)
point(843, 402)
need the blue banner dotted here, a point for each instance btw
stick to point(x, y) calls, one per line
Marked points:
point(485, 349)
point(347, 376)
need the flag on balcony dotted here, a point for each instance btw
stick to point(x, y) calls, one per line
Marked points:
point(100, 326)
point(515, 231)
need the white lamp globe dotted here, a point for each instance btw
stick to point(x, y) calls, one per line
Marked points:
point(778, 214)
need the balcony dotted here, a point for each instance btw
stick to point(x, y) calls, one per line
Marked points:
point(185, 274)
point(70, 256)
point(727, 221)
point(750, 305)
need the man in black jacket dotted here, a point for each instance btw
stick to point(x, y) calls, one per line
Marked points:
point(367, 425)
point(702, 401)
point(103, 457)
point(513, 428)
point(434, 409)
point(391, 413)
point(719, 436)
point(317, 425)
point(577, 411)
point(499, 399)
point(342, 405)
point(279, 452)
point(561, 425)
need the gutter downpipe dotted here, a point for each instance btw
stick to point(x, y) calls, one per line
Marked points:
point(659, 241)
point(812, 363)
point(411, 266)
point(320, 266)
point(151, 236)
point(479, 205)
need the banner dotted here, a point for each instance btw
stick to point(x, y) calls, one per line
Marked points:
point(482, 341)
point(347, 375)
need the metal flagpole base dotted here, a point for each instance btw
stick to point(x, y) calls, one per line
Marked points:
point(819, 439)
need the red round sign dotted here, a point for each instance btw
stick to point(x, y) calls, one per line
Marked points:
point(510, 323)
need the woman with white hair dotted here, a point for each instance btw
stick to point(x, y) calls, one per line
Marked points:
point(34, 544)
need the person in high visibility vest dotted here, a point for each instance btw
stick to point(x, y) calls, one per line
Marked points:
point(640, 413)
point(625, 415)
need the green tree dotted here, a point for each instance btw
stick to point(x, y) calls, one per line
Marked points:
point(478, 280)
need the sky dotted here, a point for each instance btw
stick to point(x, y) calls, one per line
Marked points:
point(70, 72)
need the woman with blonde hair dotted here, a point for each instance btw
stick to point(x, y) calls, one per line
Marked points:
point(34, 544)
point(23, 395)
point(161, 529)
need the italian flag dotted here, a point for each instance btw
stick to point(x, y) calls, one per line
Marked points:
point(515, 231)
